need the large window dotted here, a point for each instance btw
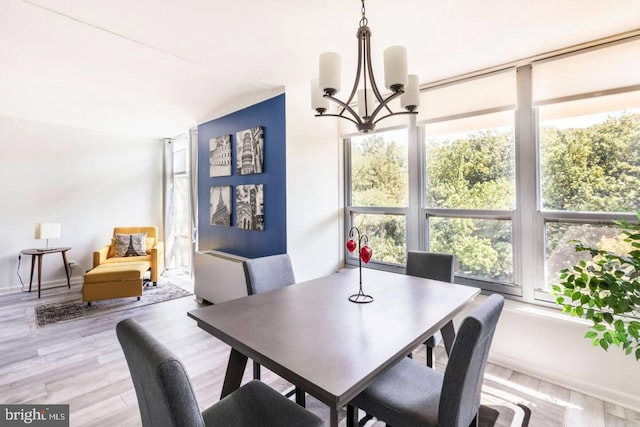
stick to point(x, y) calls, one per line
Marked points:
point(507, 170)
point(590, 172)
point(378, 193)
point(588, 127)
point(469, 185)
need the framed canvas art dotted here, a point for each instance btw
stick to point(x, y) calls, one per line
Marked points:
point(250, 207)
point(250, 151)
point(220, 205)
point(220, 156)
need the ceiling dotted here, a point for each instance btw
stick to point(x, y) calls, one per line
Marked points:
point(156, 68)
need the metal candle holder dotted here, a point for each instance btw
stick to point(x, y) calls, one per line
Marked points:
point(360, 297)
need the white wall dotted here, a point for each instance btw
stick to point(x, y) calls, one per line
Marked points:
point(550, 345)
point(86, 180)
point(545, 343)
point(314, 188)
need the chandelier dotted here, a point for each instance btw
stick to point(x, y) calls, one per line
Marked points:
point(370, 101)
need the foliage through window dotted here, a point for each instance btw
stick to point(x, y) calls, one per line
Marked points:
point(589, 163)
point(471, 170)
point(379, 184)
point(472, 174)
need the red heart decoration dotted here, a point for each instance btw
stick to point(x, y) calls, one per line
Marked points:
point(351, 245)
point(366, 253)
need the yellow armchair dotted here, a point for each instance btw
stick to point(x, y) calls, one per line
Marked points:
point(154, 251)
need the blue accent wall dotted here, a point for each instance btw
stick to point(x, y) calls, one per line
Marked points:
point(269, 114)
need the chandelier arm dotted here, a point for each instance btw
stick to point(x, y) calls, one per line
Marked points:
point(385, 103)
point(393, 114)
point(354, 89)
point(345, 107)
point(369, 71)
point(338, 115)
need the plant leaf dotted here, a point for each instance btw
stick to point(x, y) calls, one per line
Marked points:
point(600, 327)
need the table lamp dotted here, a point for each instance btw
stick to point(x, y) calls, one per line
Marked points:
point(47, 230)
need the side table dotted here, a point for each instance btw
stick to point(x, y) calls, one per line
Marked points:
point(37, 254)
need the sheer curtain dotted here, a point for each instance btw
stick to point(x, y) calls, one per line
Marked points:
point(180, 201)
point(193, 187)
point(169, 205)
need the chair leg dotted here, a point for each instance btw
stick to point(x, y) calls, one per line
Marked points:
point(352, 416)
point(429, 356)
point(256, 371)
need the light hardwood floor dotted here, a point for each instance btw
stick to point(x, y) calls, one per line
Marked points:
point(80, 363)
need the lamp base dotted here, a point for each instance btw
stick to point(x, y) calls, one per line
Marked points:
point(361, 298)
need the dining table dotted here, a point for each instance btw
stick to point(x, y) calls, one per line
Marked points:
point(313, 336)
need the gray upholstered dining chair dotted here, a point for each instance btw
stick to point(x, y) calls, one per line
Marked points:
point(266, 274)
point(166, 396)
point(411, 394)
point(435, 266)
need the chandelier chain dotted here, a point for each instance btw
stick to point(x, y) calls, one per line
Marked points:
point(364, 21)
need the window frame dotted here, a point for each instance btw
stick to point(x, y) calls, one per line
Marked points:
point(528, 218)
point(350, 210)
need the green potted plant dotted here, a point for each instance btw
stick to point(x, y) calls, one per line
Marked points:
point(605, 290)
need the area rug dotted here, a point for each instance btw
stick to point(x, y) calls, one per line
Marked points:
point(490, 416)
point(494, 412)
point(48, 314)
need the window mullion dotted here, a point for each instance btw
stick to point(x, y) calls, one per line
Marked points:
point(527, 227)
point(415, 240)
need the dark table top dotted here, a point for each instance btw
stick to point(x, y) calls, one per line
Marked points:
point(312, 335)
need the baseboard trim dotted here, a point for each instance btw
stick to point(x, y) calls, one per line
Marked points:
point(588, 388)
point(43, 286)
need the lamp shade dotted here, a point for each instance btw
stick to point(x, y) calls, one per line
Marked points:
point(47, 230)
point(395, 67)
point(318, 102)
point(410, 99)
point(330, 70)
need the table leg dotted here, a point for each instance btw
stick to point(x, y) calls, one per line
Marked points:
point(235, 371)
point(33, 264)
point(301, 398)
point(66, 268)
point(333, 416)
point(39, 272)
point(352, 416)
point(448, 336)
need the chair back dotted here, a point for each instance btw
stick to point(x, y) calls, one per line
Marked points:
point(430, 265)
point(164, 391)
point(460, 396)
point(268, 273)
